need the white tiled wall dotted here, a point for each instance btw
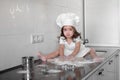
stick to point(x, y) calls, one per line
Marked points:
point(119, 19)
point(21, 18)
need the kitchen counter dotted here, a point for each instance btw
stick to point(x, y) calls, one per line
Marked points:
point(109, 68)
point(59, 71)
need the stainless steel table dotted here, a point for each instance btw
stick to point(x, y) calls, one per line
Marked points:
point(56, 70)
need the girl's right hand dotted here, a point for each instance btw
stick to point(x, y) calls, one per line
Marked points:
point(42, 57)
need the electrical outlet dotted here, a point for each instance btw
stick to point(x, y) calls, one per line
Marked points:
point(37, 38)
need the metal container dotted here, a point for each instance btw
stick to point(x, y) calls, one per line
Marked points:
point(27, 65)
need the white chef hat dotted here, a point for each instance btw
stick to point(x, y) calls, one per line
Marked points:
point(67, 19)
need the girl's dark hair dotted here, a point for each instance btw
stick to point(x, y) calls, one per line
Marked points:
point(75, 35)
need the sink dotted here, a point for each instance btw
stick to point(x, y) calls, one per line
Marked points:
point(101, 53)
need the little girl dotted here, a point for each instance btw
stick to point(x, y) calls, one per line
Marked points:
point(70, 44)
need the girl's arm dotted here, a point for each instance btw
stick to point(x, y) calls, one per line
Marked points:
point(76, 50)
point(61, 50)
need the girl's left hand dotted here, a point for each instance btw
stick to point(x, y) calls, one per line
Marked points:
point(98, 59)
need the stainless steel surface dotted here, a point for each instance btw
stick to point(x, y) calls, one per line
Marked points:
point(109, 53)
point(48, 71)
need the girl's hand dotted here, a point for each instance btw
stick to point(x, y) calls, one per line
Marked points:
point(98, 59)
point(42, 57)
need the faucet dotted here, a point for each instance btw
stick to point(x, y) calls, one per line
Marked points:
point(85, 41)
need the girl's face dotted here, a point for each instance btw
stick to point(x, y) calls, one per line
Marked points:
point(68, 31)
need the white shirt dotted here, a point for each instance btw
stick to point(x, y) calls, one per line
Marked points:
point(69, 48)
